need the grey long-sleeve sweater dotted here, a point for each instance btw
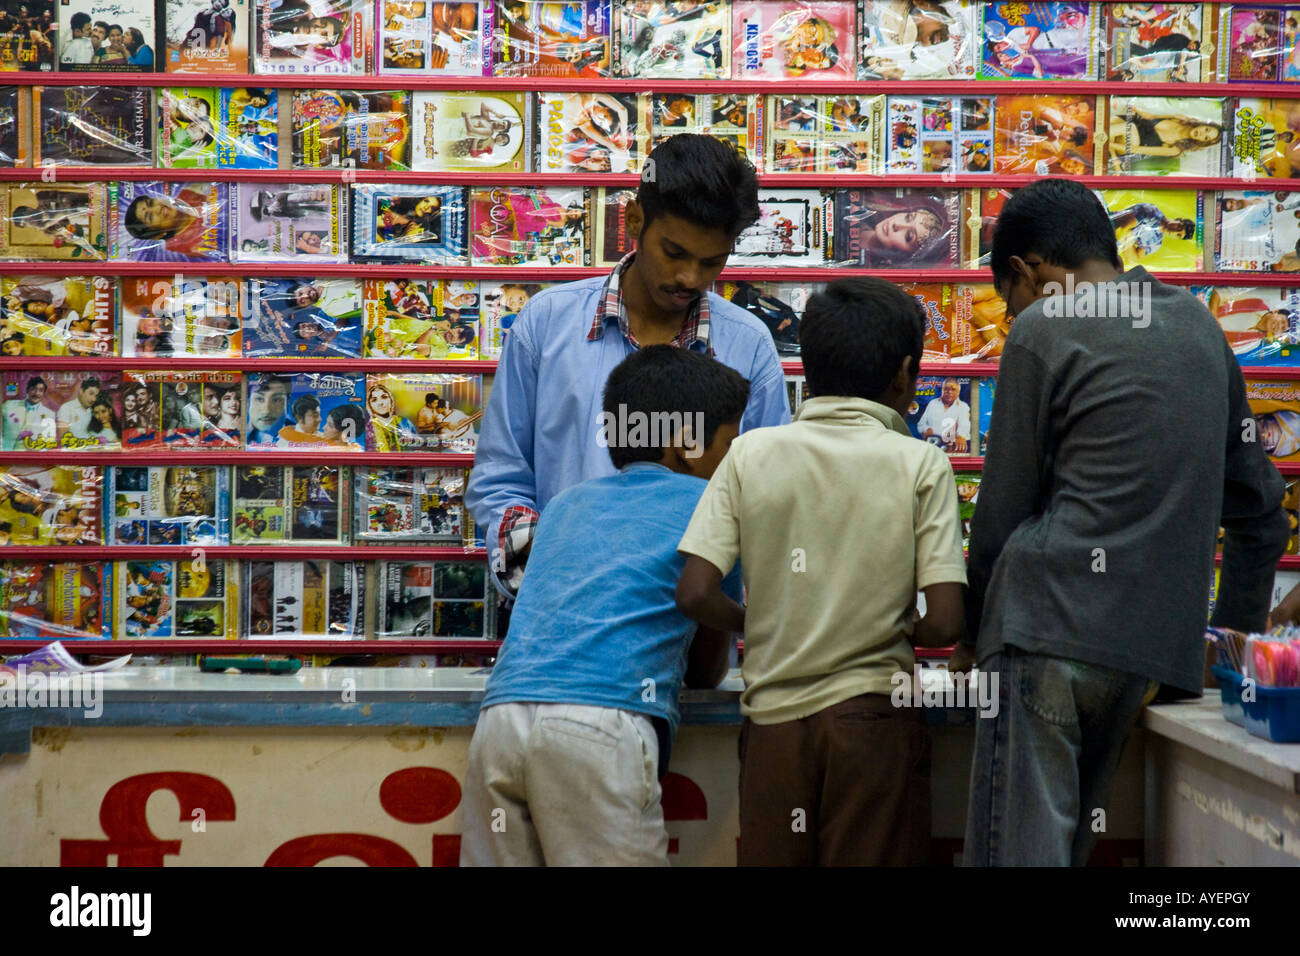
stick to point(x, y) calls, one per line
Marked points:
point(1119, 444)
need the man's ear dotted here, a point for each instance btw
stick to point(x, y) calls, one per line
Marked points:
point(904, 377)
point(633, 220)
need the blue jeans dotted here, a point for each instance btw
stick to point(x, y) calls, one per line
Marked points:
point(1045, 762)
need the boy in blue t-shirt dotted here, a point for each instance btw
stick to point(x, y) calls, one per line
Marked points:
point(581, 707)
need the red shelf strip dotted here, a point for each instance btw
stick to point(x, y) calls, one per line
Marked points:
point(214, 552)
point(200, 363)
point(178, 456)
point(278, 645)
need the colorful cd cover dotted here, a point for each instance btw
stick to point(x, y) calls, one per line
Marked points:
point(1276, 409)
point(401, 505)
point(408, 223)
point(61, 410)
point(15, 121)
point(53, 315)
point(914, 41)
point(979, 326)
point(169, 222)
point(778, 305)
point(898, 228)
point(305, 599)
point(612, 241)
point(29, 35)
point(51, 505)
point(1265, 138)
point(205, 128)
point(536, 38)
point(54, 601)
point(1261, 323)
point(529, 226)
point(788, 40)
point(54, 221)
point(189, 598)
point(183, 505)
point(502, 303)
point(676, 40)
point(1257, 231)
point(1160, 229)
point(471, 132)
point(164, 316)
point(1046, 134)
point(304, 317)
point(737, 120)
point(424, 411)
point(825, 134)
point(438, 599)
point(310, 36)
point(288, 222)
point(1165, 136)
point(1258, 45)
point(169, 409)
point(108, 36)
point(1156, 42)
point(940, 134)
point(339, 129)
point(792, 229)
point(206, 36)
point(590, 132)
point(434, 39)
point(291, 505)
point(968, 493)
point(421, 318)
point(940, 413)
point(306, 411)
point(1040, 41)
point(92, 126)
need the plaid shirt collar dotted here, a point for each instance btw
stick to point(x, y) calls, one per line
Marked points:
point(609, 307)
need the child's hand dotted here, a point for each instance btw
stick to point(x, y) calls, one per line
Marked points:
point(962, 659)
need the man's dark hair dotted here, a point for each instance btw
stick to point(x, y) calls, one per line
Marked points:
point(33, 382)
point(702, 180)
point(663, 379)
point(854, 335)
point(89, 382)
point(80, 21)
point(304, 404)
point(266, 382)
point(1058, 219)
point(138, 229)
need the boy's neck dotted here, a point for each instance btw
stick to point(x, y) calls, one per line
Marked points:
point(1094, 271)
point(648, 324)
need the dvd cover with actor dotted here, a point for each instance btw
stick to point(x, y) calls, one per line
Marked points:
point(1155, 42)
point(304, 317)
point(735, 119)
point(29, 35)
point(776, 39)
point(502, 303)
point(277, 504)
point(305, 599)
point(188, 598)
point(541, 38)
point(825, 134)
point(205, 128)
point(181, 409)
point(778, 305)
point(423, 411)
point(900, 40)
point(340, 129)
point(1265, 137)
point(1046, 134)
point(160, 505)
point(1257, 231)
point(306, 411)
point(57, 315)
point(588, 132)
point(109, 36)
point(170, 222)
point(898, 228)
point(1275, 407)
point(421, 318)
point(793, 228)
point(1253, 42)
point(940, 413)
point(311, 36)
point(54, 221)
point(92, 126)
point(408, 223)
point(1261, 323)
point(1038, 41)
point(434, 39)
point(288, 222)
point(15, 121)
point(52, 410)
point(677, 40)
point(939, 134)
point(470, 132)
point(51, 504)
point(164, 316)
point(57, 601)
point(1164, 136)
point(529, 226)
point(1160, 228)
point(206, 36)
point(402, 505)
point(435, 599)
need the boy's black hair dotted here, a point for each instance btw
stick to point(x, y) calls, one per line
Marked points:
point(702, 180)
point(304, 404)
point(1058, 219)
point(854, 335)
point(665, 380)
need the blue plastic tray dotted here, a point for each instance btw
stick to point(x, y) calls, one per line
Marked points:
point(1234, 712)
point(1274, 714)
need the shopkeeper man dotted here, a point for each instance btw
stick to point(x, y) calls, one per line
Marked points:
point(542, 429)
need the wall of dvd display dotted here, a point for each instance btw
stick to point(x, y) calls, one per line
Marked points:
point(249, 313)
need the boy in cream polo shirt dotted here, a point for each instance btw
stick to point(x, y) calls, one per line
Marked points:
point(837, 520)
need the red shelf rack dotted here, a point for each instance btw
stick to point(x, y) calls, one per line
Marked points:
point(268, 645)
point(214, 552)
point(199, 363)
point(177, 456)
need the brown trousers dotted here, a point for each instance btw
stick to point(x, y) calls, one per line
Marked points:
point(848, 786)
